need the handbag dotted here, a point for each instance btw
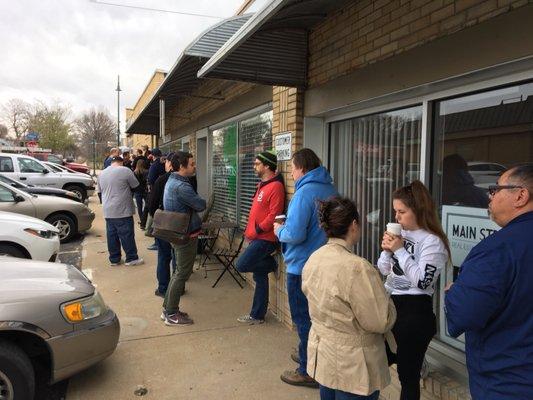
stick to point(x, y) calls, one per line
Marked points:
point(171, 226)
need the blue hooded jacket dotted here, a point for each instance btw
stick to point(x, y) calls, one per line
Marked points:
point(492, 303)
point(301, 234)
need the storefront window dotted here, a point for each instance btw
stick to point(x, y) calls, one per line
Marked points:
point(255, 136)
point(224, 171)
point(477, 137)
point(234, 148)
point(369, 158)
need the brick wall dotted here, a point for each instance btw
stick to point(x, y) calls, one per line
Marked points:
point(154, 83)
point(367, 31)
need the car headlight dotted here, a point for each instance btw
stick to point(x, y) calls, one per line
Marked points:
point(84, 309)
point(41, 233)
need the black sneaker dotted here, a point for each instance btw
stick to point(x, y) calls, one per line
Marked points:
point(160, 294)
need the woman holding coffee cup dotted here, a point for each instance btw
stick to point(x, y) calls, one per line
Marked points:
point(415, 250)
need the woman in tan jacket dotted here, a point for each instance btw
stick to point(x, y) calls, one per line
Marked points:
point(350, 311)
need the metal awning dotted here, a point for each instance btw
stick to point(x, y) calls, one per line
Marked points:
point(182, 78)
point(271, 48)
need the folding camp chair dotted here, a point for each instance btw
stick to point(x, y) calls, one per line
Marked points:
point(227, 256)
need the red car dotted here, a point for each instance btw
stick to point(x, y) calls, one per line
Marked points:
point(58, 160)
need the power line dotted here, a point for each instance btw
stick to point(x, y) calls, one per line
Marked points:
point(153, 9)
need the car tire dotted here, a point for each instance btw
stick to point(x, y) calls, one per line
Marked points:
point(65, 224)
point(80, 191)
point(17, 378)
point(12, 251)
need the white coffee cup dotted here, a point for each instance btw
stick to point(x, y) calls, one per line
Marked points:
point(280, 219)
point(394, 228)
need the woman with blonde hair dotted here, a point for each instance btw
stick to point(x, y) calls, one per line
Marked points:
point(412, 263)
point(350, 311)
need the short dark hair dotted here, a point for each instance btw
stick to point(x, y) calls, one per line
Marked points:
point(306, 159)
point(522, 174)
point(180, 159)
point(336, 215)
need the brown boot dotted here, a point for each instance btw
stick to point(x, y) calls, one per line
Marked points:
point(297, 379)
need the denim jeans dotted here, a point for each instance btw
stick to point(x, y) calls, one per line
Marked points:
point(333, 394)
point(139, 199)
point(120, 231)
point(164, 260)
point(300, 317)
point(257, 259)
point(185, 256)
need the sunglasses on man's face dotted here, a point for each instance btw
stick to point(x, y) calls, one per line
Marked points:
point(493, 189)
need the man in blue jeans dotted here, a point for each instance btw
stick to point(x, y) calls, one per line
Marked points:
point(268, 201)
point(300, 236)
point(115, 186)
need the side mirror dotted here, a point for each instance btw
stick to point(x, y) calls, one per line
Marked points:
point(45, 171)
point(18, 198)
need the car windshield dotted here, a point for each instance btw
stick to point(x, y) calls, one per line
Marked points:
point(17, 191)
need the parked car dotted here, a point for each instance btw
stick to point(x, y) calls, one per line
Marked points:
point(27, 237)
point(67, 216)
point(56, 159)
point(53, 324)
point(485, 173)
point(33, 172)
point(48, 191)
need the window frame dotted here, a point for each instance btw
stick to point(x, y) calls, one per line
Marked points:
point(492, 78)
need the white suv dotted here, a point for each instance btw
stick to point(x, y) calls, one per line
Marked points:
point(27, 237)
point(33, 172)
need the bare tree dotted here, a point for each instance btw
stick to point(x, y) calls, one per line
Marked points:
point(95, 129)
point(16, 114)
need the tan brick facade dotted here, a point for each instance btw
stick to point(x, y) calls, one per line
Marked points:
point(137, 140)
point(368, 31)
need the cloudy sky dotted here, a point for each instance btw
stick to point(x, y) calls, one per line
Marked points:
point(71, 51)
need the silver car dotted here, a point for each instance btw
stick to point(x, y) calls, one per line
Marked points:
point(52, 322)
point(68, 216)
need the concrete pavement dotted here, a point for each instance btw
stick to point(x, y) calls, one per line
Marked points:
point(215, 358)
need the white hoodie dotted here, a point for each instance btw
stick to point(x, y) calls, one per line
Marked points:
point(414, 269)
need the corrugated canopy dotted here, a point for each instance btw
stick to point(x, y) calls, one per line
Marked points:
point(182, 78)
point(271, 48)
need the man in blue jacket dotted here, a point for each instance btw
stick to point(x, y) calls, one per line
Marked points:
point(180, 196)
point(492, 299)
point(300, 236)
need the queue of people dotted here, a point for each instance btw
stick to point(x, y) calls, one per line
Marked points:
point(353, 319)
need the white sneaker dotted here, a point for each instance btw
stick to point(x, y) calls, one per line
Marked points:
point(138, 261)
point(247, 319)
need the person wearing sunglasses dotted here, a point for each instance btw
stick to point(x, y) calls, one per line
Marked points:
point(491, 301)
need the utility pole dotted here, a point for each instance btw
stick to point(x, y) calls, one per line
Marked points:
point(118, 110)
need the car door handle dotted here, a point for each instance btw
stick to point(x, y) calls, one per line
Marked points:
point(23, 178)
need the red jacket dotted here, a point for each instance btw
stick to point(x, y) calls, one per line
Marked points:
point(268, 201)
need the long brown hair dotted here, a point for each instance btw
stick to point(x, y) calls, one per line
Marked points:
point(417, 197)
point(140, 167)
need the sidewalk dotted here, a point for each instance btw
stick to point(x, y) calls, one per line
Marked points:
point(215, 358)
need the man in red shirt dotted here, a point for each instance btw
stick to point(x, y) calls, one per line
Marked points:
point(268, 201)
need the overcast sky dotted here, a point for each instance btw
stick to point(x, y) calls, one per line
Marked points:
point(72, 50)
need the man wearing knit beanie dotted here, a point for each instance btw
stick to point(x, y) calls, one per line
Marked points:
point(268, 201)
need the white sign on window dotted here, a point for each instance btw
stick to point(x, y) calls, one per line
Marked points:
point(465, 227)
point(283, 146)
